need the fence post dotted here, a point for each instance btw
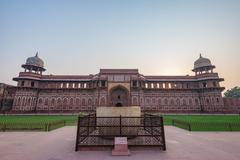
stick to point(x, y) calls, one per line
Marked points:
point(151, 125)
point(173, 122)
point(144, 117)
point(95, 121)
point(229, 126)
point(120, 122)
point(49, 126)
point(77, 138)
point(46, 127)
point(88, 125)
point(163, 134)
point(189, 126)
point(4, 127)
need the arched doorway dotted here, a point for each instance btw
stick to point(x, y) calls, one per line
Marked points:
point(119, 96)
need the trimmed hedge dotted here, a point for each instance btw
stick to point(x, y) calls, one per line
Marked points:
point(22, 126)
point(206, 126)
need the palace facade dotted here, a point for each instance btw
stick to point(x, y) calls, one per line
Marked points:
point(37, 92)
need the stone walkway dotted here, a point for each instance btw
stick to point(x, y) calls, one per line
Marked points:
point(59, 145)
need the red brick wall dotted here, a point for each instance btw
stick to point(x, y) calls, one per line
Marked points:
point(232, 105)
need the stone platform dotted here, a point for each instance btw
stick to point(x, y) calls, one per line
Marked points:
point(59, 145)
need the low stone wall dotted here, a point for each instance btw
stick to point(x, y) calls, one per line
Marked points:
point(232, 105)
point(115, 113)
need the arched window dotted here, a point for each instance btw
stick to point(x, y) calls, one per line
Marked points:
point(172, 102)
point(15, 102)
point(23, 101)
point(19, 101)
point(53, 102)
point(152, 86)
point(217, 99)
point(59, 101)
point(169, 85)
point(40, 101)
point(184, 102)
point(134, 101)
point(78, 101)
point(165, 101)
point(153, 100)
point(178, 102)
point(46, 102)
point(175, 85)
point(102, 101)
point(190, 101)
point(65, 101)
point(204, 85)
point(196, 101)
point(89, 102)
point(71, 101)
point(96, 101)
point(83, 102)
point(29, 102)
point(147, 101)
point(33, 101)
point(208, 101)
point(159, 101)
point(146, 85)
point(164, 85)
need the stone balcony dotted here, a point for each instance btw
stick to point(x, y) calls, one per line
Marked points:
point(29, 74)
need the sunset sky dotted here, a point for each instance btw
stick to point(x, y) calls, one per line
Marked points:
point(157, 37)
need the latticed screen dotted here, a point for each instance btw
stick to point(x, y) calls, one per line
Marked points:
point(100, 131)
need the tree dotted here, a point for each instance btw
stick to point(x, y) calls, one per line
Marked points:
point(233, 93)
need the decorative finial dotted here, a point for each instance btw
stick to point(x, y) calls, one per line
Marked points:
point(36, 54)
point(200, 55)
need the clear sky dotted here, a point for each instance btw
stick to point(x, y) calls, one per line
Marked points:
point(157, 37)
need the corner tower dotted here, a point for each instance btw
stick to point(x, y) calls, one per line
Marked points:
point(208, 84)
point(33, 69)
point(28, 84)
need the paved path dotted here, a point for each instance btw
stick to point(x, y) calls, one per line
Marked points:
point(59, 145)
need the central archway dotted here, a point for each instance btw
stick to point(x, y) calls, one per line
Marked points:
point(119, 96)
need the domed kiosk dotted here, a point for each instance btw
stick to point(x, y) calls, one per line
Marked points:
point(32, 74)
point(34, 64)
point(203, 65)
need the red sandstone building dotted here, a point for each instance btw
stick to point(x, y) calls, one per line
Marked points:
point(37, 92)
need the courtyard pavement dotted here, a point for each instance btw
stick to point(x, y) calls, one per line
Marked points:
point(59, 145)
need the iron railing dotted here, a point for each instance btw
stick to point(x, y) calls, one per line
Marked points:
point(144, 131)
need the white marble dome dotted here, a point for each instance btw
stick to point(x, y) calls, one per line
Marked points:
point(202, 62)
point(35, 61)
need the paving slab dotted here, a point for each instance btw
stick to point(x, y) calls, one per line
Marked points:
point(59, 145)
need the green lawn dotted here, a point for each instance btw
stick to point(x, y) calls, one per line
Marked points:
point(205, 122)
point(196, 122)
point(202, 118)
point(35, 122)
point(70, 119)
